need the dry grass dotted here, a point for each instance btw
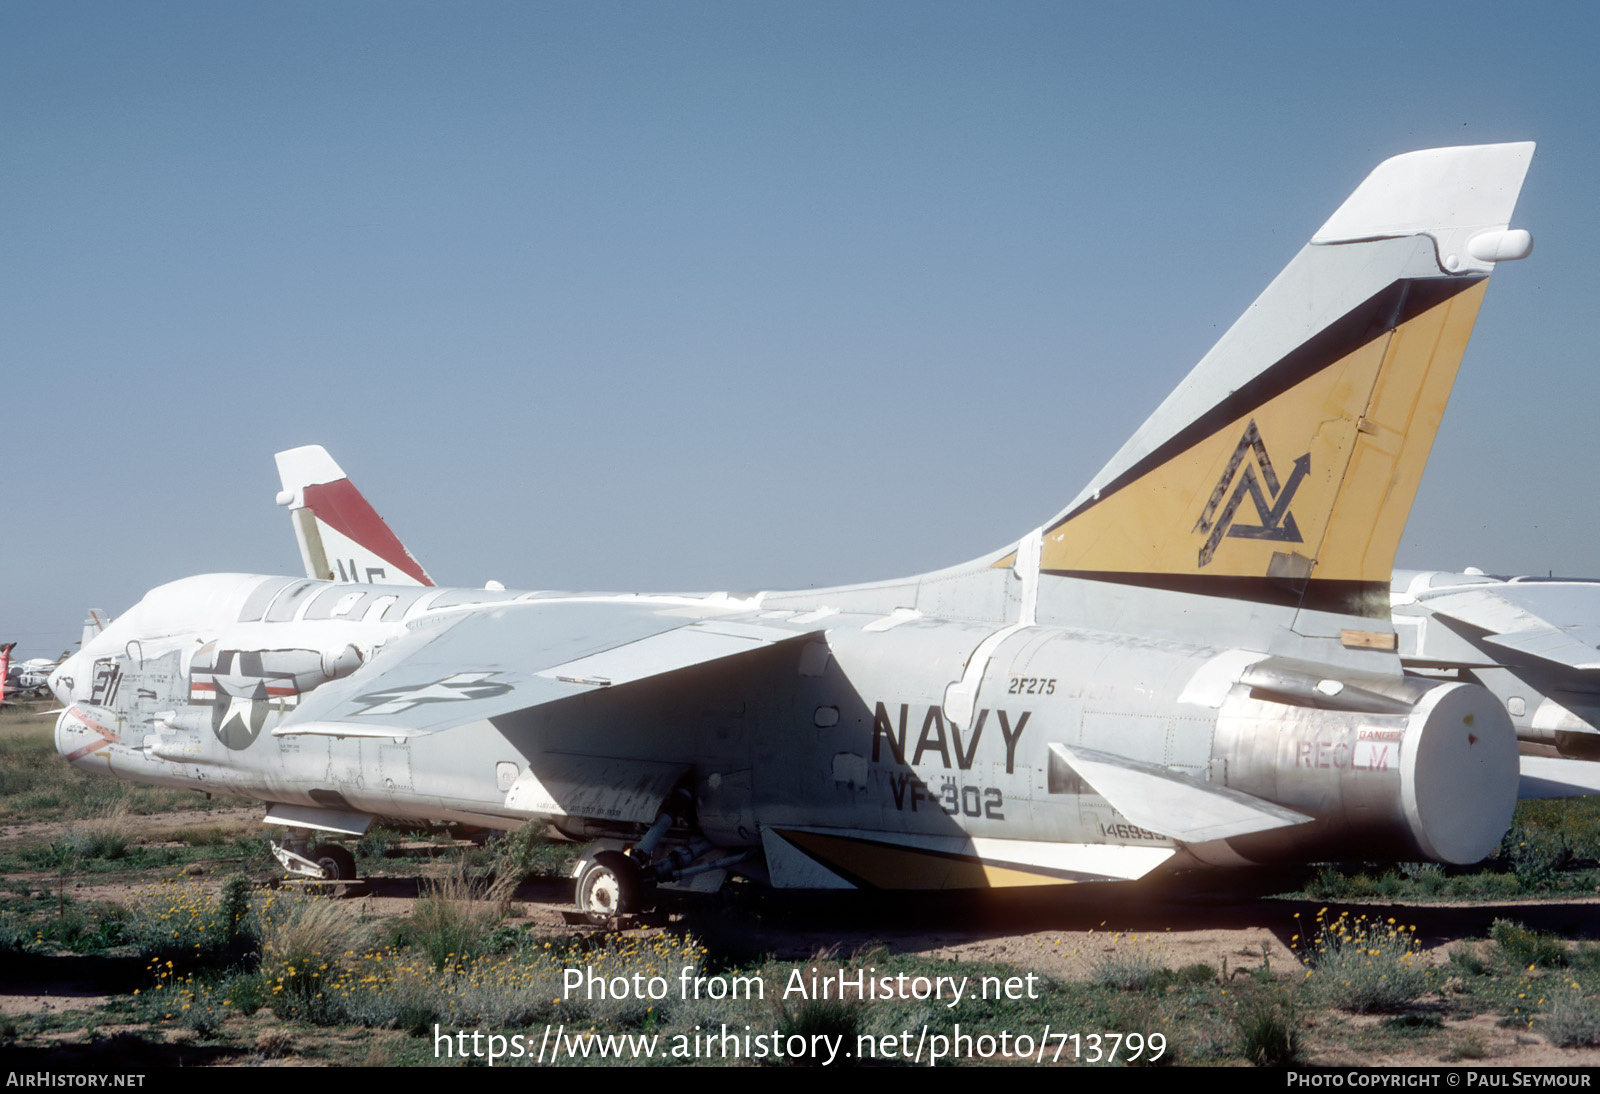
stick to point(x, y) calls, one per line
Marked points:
point(305, 942)
point(451, 919)
point(107, 832)
point(37, 784)
point(1573, 1021)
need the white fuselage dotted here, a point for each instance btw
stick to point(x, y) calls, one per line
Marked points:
point(850, 735)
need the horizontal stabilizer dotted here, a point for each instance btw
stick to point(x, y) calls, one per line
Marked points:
point(1171, 804)
point(820, 858)
point(1548, 777)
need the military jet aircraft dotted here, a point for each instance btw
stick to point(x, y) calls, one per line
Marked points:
point(1191, 664)
point(28, 679)
point(1533, 641)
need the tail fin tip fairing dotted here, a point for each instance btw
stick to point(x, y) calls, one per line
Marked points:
point(341, 537)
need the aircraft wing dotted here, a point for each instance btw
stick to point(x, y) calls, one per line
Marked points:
point(460, 667)
point(1556, 623)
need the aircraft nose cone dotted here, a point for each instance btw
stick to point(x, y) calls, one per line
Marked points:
point(78, 742)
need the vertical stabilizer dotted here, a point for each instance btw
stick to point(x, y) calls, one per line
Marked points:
point(94, 621)
point(341, 537)
point(1282, 469)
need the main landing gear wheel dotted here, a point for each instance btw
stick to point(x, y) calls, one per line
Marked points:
point(337, 863)
point(610, 886)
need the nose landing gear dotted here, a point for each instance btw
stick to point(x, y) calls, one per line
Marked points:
point(324, 862)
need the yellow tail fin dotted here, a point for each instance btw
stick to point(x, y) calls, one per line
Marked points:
point(1283, 468)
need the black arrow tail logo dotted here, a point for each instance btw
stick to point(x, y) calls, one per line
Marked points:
point(1276, 522)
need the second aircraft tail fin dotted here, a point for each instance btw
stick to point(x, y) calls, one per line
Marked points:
point(342, 538)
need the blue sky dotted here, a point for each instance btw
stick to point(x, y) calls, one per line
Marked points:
point(686, 296)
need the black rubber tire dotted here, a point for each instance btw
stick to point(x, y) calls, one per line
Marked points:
point(609, 886)
point(337, 863)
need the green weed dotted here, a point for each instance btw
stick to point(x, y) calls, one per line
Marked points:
point(180, 921)
point(305, 943)
point(1465, 960)
point(1365, 965)
point(1269, 1033)
point(1131, 967)
point(1525, 948)
point(452, 919)
point(1572, 1022)
point(830, 1018)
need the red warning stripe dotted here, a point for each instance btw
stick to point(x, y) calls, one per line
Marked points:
point(107, 737)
